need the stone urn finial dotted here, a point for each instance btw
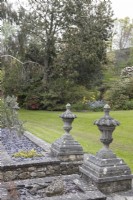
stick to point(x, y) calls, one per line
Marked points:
point(66, 148)
point(68, 118)
point(106, 125)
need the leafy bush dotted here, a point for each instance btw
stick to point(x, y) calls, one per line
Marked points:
point(56, 98)
point(128, 105)
point(80, 107)
point(32, 102)
point(50, 100)
point(120, 102)
point(120, 94)
point(1, 110)
point(127, 72)
point(9, 116)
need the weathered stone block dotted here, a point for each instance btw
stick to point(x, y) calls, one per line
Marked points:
point(24, 175)
point(41, 169)
point(31, 169)
point(1, 176)
point(9, 175)
point(57, 168)
point(33, 174)
point(41, 174)
point(114, 186)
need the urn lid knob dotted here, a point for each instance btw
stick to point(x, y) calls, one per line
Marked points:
point(68, 113)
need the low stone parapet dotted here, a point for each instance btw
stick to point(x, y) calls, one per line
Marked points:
point(46, 166)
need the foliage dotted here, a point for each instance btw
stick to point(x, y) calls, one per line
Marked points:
point(80, 107)
point(127, 72)
point(96, 105)
point(121, 47)
point(27, 154)
point(21, 79)
point(68, 53)
point(1, 108)
point(128, 105)
point(12, 78)
point(60, 93)
point(120, 94)
point(7, 13)
point(123, 33)
point(86, 100)
point(9, 116)
point(82, 55)
point(32, 102)
point(1, 78)
point(110, 70)
point(130, 57)
point(8, 19)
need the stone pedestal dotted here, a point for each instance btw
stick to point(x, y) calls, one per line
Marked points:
point(66, 148)
point(109, 173)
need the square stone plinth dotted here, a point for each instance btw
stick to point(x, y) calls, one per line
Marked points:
point(67, 149)
point(109, 175)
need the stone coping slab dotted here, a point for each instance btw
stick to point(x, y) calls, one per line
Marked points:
point(44, 145)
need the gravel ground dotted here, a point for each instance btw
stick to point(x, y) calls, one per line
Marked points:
point(14, 143)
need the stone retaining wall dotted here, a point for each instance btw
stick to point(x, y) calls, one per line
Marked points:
point(37, 170)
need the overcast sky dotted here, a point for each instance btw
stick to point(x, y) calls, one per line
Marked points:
point(121, 8)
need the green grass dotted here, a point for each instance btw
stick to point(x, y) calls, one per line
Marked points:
point(48, 126)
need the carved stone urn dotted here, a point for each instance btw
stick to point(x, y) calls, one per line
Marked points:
point(106, 125)
point(68, 118)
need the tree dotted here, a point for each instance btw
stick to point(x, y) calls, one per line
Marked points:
point(7, 13)
point(3, 9)
point(123, 33)
point(84, 50)
point(68, 39)
point(46, 24)
point(77, 27)
point(8, 28)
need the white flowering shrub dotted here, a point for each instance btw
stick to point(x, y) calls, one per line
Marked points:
point(127, 72)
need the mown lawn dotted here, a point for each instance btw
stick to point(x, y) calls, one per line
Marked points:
point(49, 127)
